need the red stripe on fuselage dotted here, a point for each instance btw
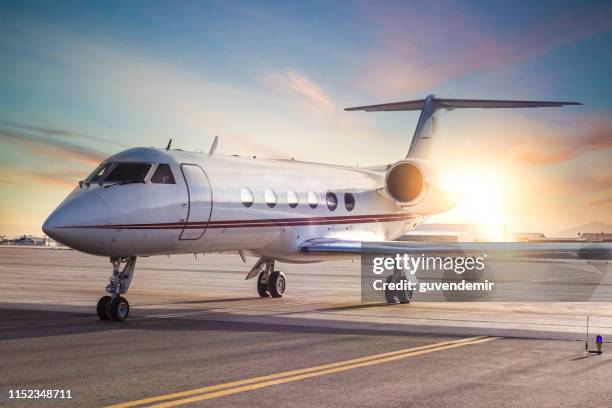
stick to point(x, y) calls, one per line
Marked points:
point(357, 219)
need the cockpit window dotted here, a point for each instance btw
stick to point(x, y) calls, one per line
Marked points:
point(99, 173)
point(163, 175)
point(128, 173)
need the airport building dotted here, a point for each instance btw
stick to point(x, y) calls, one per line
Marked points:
point(490, 233)
point(32, 241)
point(596, 237)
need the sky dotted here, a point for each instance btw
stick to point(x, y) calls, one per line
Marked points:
point(82, 80)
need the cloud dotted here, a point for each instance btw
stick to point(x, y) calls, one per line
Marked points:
point(602, 201)
point(521, 137)
point(592, 180)
point(594, 134)
point(67, 180)
point(52, 131)
point(155, 97)
point(593, 188)
point(52, 148)
point(49, 178)
point(429, 44)
point(301, 85)
point(551, 168)
point(8, 181)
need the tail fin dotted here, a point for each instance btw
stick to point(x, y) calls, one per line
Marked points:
point(425, 129)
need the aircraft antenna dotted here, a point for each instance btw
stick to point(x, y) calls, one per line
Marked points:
point(169, 144)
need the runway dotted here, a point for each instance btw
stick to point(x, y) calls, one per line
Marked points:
point(199, 336)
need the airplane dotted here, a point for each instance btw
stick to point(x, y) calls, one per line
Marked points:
point(161, 201)
point(25, 240)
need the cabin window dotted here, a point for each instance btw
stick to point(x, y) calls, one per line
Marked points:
point(128, 173)
point(163, 175)
point(270, 198)
point(313, 200)
point(332, 201)
point(292, 199)
point(99, 173)
point(349, 201)
point(247, 197)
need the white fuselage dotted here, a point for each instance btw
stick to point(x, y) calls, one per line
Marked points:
point(208, 208)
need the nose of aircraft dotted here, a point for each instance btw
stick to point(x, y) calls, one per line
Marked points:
point(65, 223)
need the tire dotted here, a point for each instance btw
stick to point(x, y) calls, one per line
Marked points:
point(262, 287)
point(103, 308)
point(277, 284)
point(404, 296)
point(119, 309)
point(390, 295)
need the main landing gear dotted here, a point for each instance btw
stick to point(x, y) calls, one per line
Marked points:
point(398, 295)
point(269, 282)
point(116, 307)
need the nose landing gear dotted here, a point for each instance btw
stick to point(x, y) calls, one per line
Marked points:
point(115, 306)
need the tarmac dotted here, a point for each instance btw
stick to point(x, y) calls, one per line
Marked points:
point(198, 335)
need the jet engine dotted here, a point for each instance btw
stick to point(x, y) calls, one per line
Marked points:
point(418, 183)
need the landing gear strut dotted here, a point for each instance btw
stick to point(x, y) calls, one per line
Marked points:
point(269, 282)
point(115, 306)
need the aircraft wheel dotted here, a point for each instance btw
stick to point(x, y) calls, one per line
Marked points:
point(277, 284)
point(390, 295)
point(262, 286)
point(404, 296)
point(103, 308)
point(119, 309)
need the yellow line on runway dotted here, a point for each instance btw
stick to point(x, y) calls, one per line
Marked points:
point(249, 384)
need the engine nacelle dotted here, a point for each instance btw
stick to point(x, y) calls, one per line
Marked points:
point(405, 183)
point(418, 184)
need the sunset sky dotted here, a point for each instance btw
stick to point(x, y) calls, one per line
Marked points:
point(82, 80)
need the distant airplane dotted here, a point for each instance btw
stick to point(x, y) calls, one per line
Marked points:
point(148, 201)
point(25, 240)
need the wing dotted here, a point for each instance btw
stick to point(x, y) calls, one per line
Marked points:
point(502, 250)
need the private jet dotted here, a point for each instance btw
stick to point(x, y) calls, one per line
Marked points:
point(162, 201)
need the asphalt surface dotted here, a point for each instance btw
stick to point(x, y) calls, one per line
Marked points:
point(197, 328)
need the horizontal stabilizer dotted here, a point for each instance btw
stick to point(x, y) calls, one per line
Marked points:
point(459, 103)
point(425, 129)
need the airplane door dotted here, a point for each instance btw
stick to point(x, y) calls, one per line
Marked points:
point(200, 201)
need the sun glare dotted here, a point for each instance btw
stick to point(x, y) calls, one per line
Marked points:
point(482, 196)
